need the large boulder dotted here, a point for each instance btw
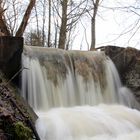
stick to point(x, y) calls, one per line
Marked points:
point(127, 61)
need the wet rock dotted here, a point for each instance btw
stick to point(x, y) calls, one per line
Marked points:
point(14, 114)
point(127, 61)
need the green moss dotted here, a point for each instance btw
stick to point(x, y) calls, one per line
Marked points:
point(22, 132)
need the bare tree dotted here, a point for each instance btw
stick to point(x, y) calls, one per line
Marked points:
point(44, 20)
point(49, 24)
point(25, 19)
point(9, 18)
point(33, 38)
point(71, 13)
point(130, 23)
point(93, 24)
point(37, 21)
point(63, 28)
point(3, 26)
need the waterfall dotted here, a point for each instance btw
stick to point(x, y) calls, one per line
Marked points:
point(69, 90)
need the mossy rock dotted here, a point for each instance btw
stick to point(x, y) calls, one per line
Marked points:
point(22, 132)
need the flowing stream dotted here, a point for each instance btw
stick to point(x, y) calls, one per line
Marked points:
point(78, 95)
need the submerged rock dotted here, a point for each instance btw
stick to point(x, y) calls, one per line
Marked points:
point(127, 61)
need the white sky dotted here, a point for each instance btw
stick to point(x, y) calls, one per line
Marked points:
point(110, 24)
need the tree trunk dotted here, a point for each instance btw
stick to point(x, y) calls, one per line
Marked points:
point(24, 22)
point(63, 28)
point(43, 25)
point(49, 25)
point(37, 24)
point(93, 25)
point(3, 27)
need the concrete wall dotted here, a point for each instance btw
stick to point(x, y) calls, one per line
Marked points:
point(10, 54)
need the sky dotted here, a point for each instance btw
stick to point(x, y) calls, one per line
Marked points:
point(113, 26)
point(110, 24)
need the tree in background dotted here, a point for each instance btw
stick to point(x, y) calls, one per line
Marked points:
point(63, 27)
point(71, 13)
point(49, 23)
point(33, 38)
point(93, 23)
point(58, 20)
point(62, 17)
point(130, 21)
point(10, 15)
point(3, 24)
point(56, 16)
point(42, 11)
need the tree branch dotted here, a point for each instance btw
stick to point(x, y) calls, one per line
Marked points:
point(24, 22)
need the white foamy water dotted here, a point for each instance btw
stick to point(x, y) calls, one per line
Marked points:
point(56, 81)
point(103, 122)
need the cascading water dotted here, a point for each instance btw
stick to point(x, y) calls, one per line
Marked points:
point(64, 79)
point(102, 122)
